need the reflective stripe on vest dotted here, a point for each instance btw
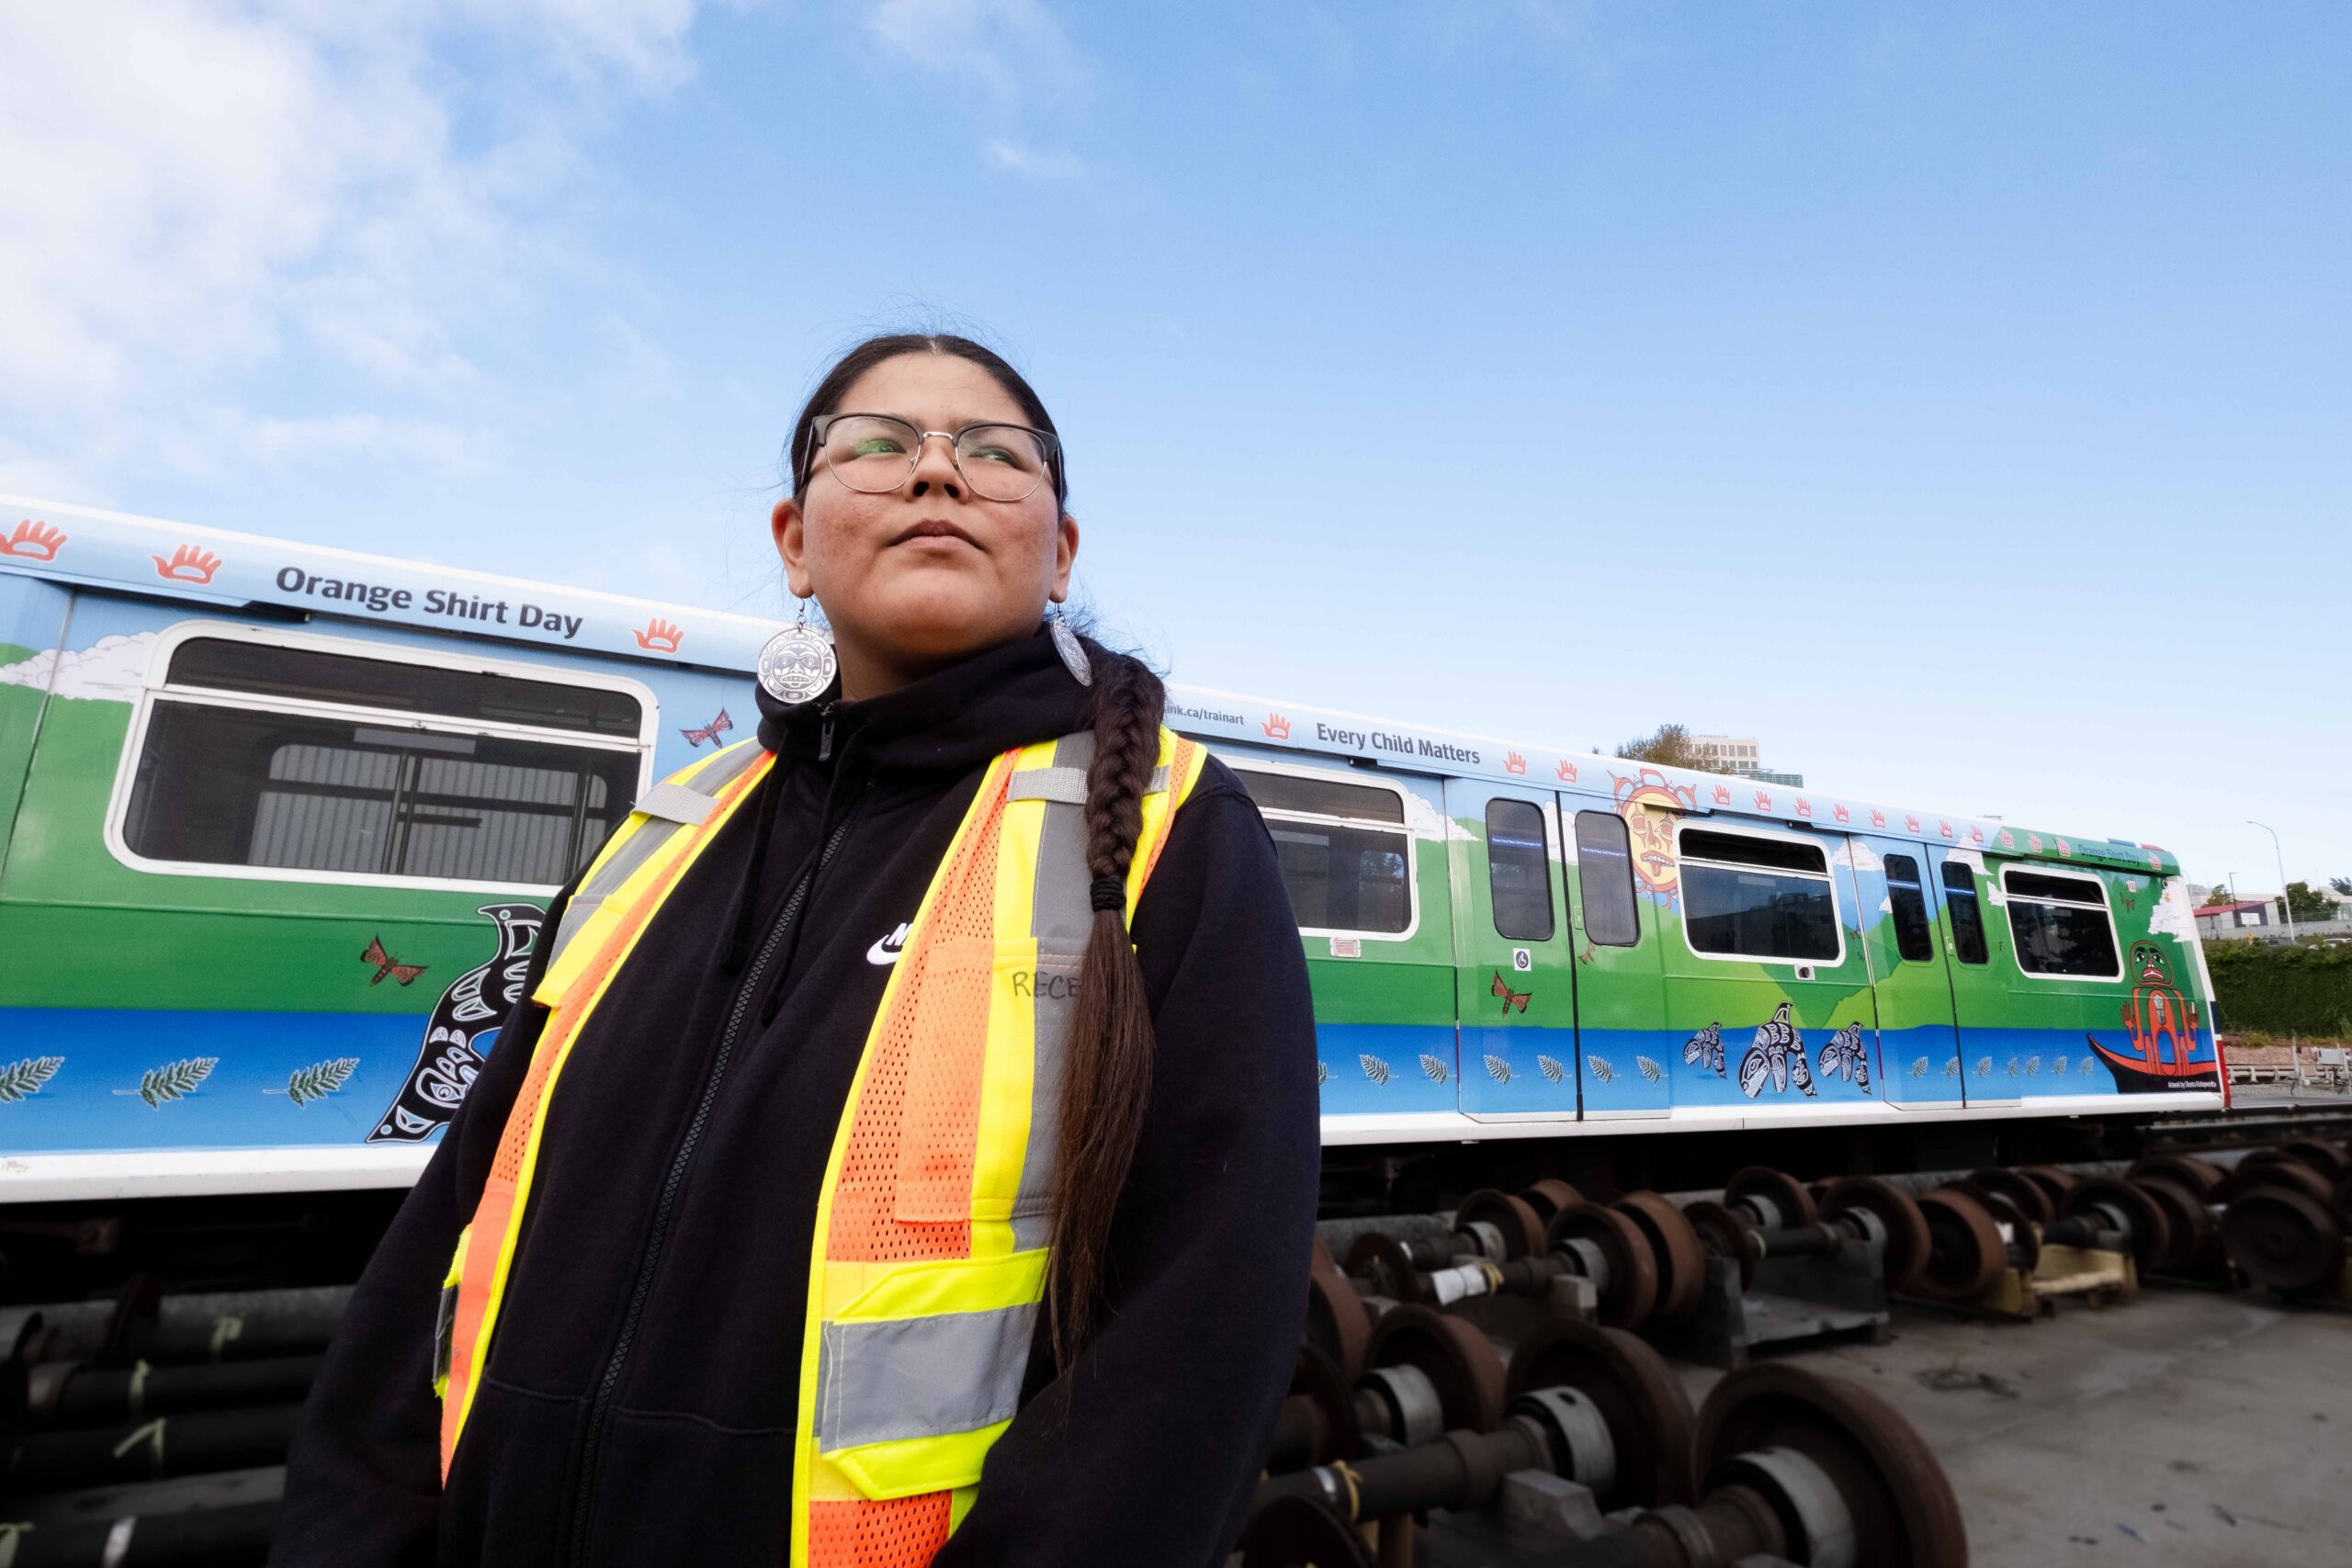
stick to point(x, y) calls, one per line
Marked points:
point(930, 1256)
point(624, 885)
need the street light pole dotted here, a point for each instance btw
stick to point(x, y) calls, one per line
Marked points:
point(2285, 901)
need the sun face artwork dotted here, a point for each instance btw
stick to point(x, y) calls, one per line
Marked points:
point(1649, 806)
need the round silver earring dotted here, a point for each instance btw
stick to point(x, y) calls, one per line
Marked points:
point(798, 663)
point(1066, 643)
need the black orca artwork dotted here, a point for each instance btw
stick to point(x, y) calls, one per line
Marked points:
point(471, 1009)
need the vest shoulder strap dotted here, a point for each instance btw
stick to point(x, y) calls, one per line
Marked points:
point(657, 829)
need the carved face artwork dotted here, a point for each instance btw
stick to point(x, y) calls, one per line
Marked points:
point(2149, 965)
point(1650, 806)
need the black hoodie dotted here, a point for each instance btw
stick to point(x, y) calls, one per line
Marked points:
point(639, 1400)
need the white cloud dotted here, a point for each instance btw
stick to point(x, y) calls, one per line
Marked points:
point(191, 194)
point(1033, 164)
point(1009, 48)
point(111, 669)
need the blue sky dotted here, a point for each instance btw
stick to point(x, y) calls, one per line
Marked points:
point(1954, 398)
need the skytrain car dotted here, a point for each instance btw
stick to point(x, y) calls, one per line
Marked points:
point(278, 824)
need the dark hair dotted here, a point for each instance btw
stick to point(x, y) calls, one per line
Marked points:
point(1106, 1075)
point(801, 454)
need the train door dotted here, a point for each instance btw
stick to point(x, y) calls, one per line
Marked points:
point(1513, 981)
point(1623, 891)
point(1969, 900)
point(1907, 942)
point(1769, 993)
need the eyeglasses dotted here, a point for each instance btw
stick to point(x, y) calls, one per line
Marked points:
point(877, 453)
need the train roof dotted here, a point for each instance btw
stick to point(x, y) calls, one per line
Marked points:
point(232, 570)
point(143, 555)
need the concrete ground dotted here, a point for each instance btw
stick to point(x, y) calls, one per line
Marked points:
point(2184, 1429)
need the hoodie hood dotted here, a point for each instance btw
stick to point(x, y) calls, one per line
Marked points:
point(951, 721)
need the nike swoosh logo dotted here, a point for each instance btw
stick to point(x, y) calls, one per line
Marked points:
point(886, 951)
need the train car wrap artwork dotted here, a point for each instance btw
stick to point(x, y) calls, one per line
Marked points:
point(278, 825)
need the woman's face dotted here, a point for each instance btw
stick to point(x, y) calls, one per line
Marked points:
point(916, 578)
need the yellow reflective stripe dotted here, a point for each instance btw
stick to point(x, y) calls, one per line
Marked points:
point(1156, 810)
point(813, 1320)
point(1007, 1073)
point(572, 1020)
point(908, 1466)
point(943, 1285)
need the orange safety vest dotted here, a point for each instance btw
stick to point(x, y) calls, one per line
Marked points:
point(930, 1260)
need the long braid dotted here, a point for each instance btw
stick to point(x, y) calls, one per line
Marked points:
point(1106, 1083)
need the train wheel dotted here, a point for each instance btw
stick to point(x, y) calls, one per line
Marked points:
point(1725, 1234)
point(1321, 1381)
point(1337, 1324)
point(1965, 1254)
point(2269, 1167)
point(1681, 1260)
point(1461, 1364)
point(1888, 1502)
point(2028, 1195)
point(1515, 1218)
point(1906, 1229)
point(2324, 1157)
point(2283, 1238)
point(1551, 1195)
point(2051, 1180)
point(2199, 1175)
point(1298, 1532)
point(2024, 1236)
point(2189, 1224)
point(1787, 1204)
point(1638, 1398)
point(2128, 1210)
point(1381, 1259)
point(1590, 1232)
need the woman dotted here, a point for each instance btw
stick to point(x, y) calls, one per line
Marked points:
point(901, 1204)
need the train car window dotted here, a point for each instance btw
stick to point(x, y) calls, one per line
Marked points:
point(309, 674)
point(1967, 916)
point(244, 763)
point(1323, 798)
point(1908, 901)
point(1519, 872)
point(1605, 880)
point(1345, 854)
point(1755, 898)
point(2060, 925)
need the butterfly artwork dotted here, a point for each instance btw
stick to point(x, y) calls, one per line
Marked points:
point(385, 963)
point(1775, 1055)
point(1511, 998)
point(711, 731)
point(1705, 1049)
point(1845, 1056)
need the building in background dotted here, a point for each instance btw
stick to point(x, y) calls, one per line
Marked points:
point(2244, 919)
point(1740, 755)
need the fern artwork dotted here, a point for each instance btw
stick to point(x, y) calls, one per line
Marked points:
point(319, 1080)
point(175, 1080)
point(21, 1079)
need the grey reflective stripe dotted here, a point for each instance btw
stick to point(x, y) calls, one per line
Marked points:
point(606, 879)
point(726, 768)
point(1061, 918)
point(676, 803)
point(919, 1377)
point(1068, 786)
point(666, 807)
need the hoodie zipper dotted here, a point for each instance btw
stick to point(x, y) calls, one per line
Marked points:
point(600, 1409)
